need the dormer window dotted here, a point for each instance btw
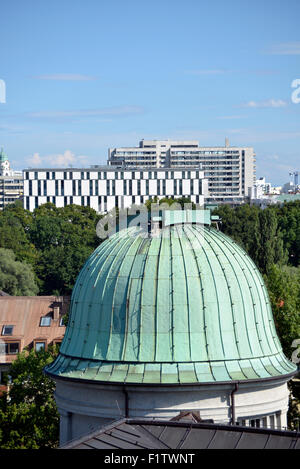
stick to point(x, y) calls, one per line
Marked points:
point(45, 321)
point(7, 330)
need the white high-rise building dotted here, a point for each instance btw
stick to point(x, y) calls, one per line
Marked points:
point(230, 170)
point(260, 188)
point(105, 187)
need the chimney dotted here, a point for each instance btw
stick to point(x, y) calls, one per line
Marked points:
point(56, 313)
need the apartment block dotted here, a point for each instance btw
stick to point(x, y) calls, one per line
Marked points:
point(230, 170)
point(105, 187)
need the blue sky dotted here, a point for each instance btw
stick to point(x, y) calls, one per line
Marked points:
point(82, 76)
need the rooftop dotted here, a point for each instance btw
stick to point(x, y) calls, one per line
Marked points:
point(3, 156)
point(114, 168)
point(164, 435)
point(25, 320)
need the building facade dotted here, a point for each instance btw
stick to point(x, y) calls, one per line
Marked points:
point(230, 170)
point(11, 182)
point(104, 188)
point(31, 322)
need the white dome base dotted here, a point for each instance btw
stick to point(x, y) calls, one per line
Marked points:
point(85, 407)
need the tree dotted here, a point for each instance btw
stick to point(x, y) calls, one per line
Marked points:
point(168, 202)
point(14, 226)
point(283, 285)
point(59, 267)
point(64, 238)
point(16, 278)
point(151, 201)
point(289, 223)
point(271, 250)
point(257, 231)
point(28, 414)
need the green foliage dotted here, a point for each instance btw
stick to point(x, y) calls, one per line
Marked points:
point(167, 201)
point(16, 278)
point(151, 201)
point(293, 414)
point(14, 226)
point(28, 414)
point(283, 284)
point(243, 225)
point(289, 224)
point(55, 241)
point(59, 267)
point(259, 232)
point(64, 238)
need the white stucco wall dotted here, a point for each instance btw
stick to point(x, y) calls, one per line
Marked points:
point(84, 407)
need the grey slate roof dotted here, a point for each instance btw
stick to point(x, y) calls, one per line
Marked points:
point(184, 435)
point(3, 293)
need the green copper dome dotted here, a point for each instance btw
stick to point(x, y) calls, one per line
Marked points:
point(185, 306)
point(3, 156)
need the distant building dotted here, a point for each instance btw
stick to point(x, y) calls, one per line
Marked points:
point(11, 182)
point(296, 185)
point(105, 187)
point(260, 191)
point(276, 190)
point(263, 194)
point(264, 201)
point(230, 171)
point(289, 187)
point(275, 197)
point(29, 321)
point(4, 164)
point(265, 186)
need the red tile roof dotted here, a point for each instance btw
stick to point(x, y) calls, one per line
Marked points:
point(24, 313)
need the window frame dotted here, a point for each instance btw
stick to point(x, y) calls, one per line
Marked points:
point(44, 318)
point(40, 342)
point(7, 326)
point(7, 348)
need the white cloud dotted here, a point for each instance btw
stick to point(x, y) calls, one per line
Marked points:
point(63, 159)
point(68, 158)
point(273, 103)
point(65, 77)
point(285, 48)
point(34, 160)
